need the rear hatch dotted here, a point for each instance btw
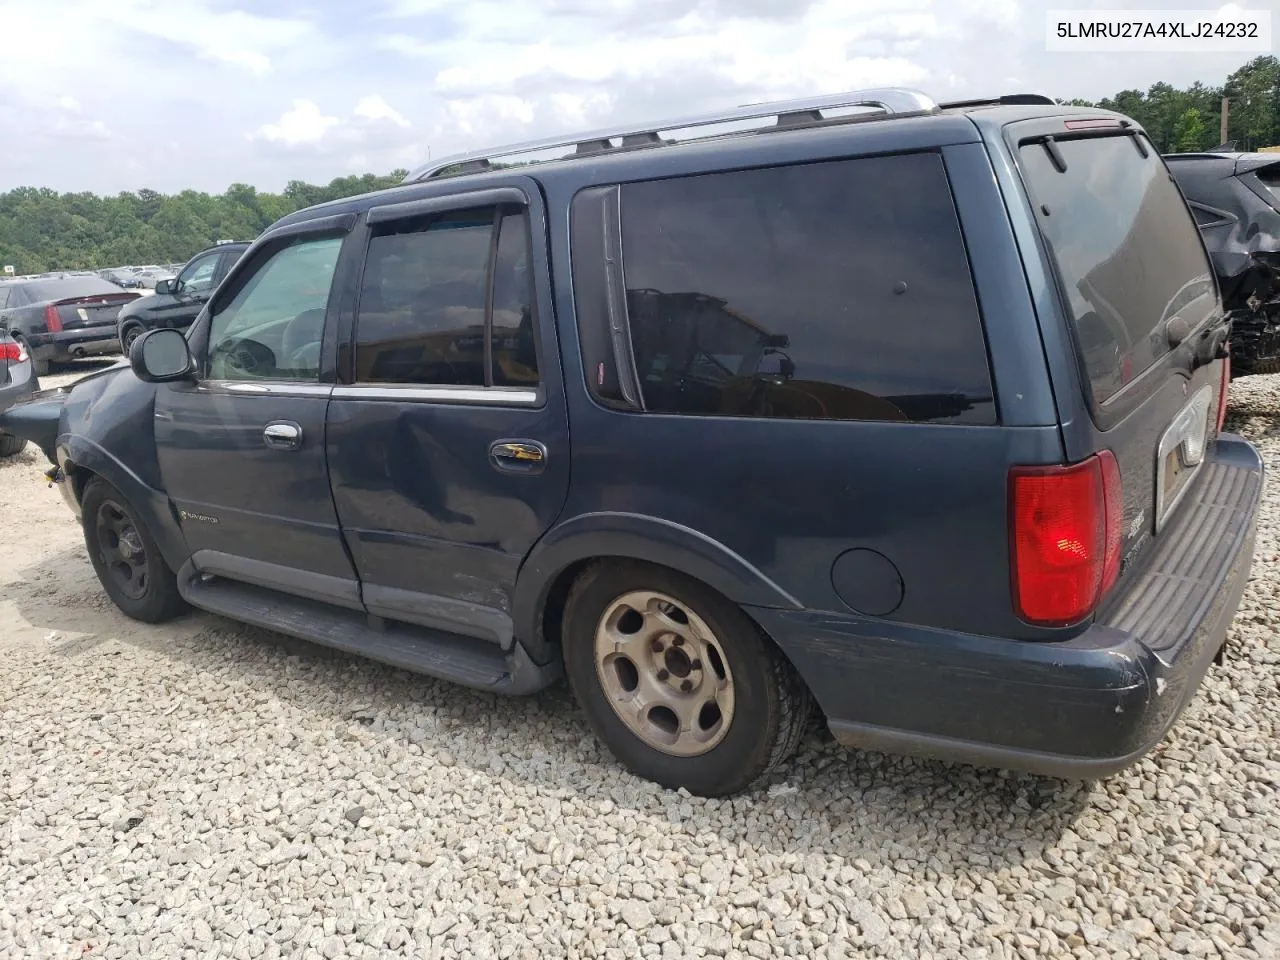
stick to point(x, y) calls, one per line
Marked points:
point(97, 310)
point(1143, 310)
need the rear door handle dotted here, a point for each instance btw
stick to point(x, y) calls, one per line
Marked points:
point(518, 456)
point(282, 435)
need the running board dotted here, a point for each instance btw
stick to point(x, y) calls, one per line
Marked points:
point(445, 656)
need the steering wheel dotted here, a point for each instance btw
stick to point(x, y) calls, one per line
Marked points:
point(248, 357)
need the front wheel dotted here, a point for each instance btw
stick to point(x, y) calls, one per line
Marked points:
point(128, 338)
point(677, 681)
point(126, 557)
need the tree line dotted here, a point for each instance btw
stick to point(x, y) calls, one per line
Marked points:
point(41, 229)
point(1181, 121)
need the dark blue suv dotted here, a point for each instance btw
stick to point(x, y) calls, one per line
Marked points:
point(910, 411)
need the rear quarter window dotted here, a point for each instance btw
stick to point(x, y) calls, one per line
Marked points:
point(826, 291)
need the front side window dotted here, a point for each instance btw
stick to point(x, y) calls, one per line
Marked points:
point(272, 329)
point(447, 300)
point(198, 277)
point(825, 291)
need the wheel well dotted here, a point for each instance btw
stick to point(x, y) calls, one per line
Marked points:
point(553, 607)
point(79, 478)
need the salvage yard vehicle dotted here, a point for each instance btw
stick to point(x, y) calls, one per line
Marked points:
point(17, 382)
point(178, 301)
point(1235, 198)
point(62, 318)
point(912, 411)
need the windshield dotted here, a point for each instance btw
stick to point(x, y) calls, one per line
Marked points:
point(69, 287)
point(1128, 253)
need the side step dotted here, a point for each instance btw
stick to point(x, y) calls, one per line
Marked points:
point(446, 656)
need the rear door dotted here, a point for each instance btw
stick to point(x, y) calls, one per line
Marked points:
point(196, 283)
point(447, 436)
point(1144, 319)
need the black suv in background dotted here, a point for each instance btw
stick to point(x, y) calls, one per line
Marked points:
point(1235, 198)
point(177, 302)
point(913, 412)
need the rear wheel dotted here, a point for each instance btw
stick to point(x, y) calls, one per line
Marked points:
point(126, 556)
point(11, 446)
point(678, 682)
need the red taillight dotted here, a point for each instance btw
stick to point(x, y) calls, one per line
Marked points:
point(12, 350)
point(1223, 391)
point(1065, 536)
point(52, 321)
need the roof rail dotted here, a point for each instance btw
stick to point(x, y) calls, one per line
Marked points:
point(896, 101)
point(1008, 100)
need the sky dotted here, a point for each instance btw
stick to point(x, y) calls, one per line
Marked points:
point(110, 95)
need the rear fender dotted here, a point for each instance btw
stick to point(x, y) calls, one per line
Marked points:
point(633, 537)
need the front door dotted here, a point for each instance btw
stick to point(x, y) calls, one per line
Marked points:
point(447, 434)
point(242, 449)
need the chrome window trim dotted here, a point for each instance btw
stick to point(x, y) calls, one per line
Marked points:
point(407, 393)
point(262, 388)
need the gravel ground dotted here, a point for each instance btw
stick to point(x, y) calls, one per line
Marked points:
point(209, 790)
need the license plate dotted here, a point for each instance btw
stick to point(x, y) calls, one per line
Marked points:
point(1181, 451)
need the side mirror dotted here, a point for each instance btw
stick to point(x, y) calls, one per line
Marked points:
point(159, 356)
point(167, 285)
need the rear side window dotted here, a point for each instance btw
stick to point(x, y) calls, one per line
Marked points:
point(430, 284)
point(1129, 257)
point(826, 291)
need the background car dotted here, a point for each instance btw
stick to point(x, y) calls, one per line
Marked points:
point(17, 382)
point(1236, 201)
point(177, 302)
point(63, 318)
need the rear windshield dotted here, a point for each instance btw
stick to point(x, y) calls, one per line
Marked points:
point(68, 287)
point(1127, 250)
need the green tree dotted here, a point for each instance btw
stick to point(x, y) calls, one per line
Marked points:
point(1189, 133)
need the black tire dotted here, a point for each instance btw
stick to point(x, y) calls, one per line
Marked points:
point(11, 446)
point(772, 705)
point(127, 336)
point(151, 597)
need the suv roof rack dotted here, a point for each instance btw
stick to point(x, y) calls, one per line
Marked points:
point(785, 114)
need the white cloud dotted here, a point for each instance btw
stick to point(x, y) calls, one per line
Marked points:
point(70, 104)
point(373, 107)
point(304, 124)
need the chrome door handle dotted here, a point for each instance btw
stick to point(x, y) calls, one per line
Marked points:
point(518, 456)
point(282, 435)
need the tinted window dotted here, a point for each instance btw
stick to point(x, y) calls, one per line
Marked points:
point(4, 296)
point(424, 297)
point(1128, 255)
point(834, 291)
point(274, 325)
point(515, 358)
point(66, 287)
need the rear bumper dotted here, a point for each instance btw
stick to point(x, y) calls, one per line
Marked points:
point(69, 344)
point(1081, 708)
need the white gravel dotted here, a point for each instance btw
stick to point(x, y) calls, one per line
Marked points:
point(208, 790)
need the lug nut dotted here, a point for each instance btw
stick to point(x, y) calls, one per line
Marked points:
point(657, 646)
point(686, 686)
point(679, 641)
point(696, 665)
point(663, 675)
